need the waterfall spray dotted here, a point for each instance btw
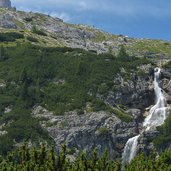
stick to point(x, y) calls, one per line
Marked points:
point(156, 117)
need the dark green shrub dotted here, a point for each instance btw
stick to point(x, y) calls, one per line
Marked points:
point(163, 140)
point(10, 36)
point(121, 114)
point(32, 39)
point(44, 159)
point(103, 131)
point(39, 32)
point(28, 19)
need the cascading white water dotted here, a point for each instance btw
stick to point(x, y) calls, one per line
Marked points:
point(158, 112)
point(130, 149)
point(156, 117)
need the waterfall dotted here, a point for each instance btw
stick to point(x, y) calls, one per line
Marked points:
point(158, 112)
point(156, 117)
point(130, 149)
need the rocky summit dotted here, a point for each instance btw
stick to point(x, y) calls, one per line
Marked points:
point(77, 85)
point(5, 3)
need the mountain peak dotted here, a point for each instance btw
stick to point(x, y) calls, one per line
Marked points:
point(5, 3)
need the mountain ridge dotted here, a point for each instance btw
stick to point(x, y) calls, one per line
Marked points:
point(61, 34)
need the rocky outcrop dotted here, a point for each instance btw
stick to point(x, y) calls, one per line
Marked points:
point(5, 3)
point(135, 113)
point(145, 141)
point(6, 21)
point(134, 90)
point(166, 84)
point(85, 132)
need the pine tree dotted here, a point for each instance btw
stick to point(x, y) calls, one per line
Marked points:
point(123, 54)
point(2, 53)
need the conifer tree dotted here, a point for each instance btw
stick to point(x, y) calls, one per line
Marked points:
point(2, 53)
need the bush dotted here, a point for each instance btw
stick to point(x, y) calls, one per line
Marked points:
point(39, 32)
point(22, 128)
point(153, 162)
point(44, 159)
point(103, 131)
point(11, 36)
point(32, 39)
point(163, 140)
point(168, 65)
point(121, 114)
point(28, 19)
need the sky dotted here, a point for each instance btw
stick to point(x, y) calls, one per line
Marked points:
point(133, 18)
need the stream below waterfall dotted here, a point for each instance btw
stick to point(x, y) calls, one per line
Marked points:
point(156, 117)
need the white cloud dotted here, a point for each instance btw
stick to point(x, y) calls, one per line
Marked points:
point(64, 16)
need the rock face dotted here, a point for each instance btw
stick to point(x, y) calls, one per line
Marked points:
point(144, 143)
point(5, 3)
point(132, 89)
point(136, 92)
point(6, 21)
point(85, 132)
point(103, 130)
point(166, 84)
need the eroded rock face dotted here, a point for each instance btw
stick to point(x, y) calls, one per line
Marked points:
point(6, 21)
point(166, 84)
point(134, 90)
point(85, 132)
point(144, 142)
point(5, 3)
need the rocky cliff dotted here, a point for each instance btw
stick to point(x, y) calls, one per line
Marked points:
point(88, 131)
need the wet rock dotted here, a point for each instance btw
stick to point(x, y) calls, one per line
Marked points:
point(145, 141)
point(166, 74)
